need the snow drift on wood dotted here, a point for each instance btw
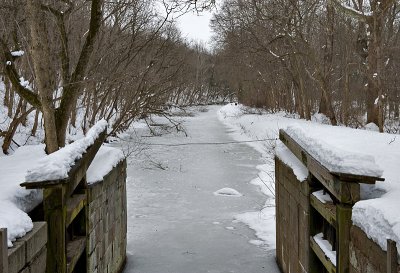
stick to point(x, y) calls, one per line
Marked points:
point(105, 160)
point(334, 158)
point(57, 165)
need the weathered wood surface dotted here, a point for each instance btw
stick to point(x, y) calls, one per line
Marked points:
point(74, 205)
point(326, 210)
point(3, 251)
point(392, 255)
point(343, 220)
point(330, 267)
point(75, 249)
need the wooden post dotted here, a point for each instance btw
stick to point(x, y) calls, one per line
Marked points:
point(3, 251)
point(55, 214)
point(343, 221)
point(391, 256)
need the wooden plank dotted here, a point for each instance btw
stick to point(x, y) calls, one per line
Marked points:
point(352, 178)
point(321, 256)
point(54, 207)
point(43, 184)
point(343, 223)
point(74, 205)
point(327, 210)
point(344, 192)
point(75, 249)
point(391, 256)
point(3, 251)
point(78, 171)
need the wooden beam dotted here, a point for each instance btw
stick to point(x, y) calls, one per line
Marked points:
point(327, 210)
point(75, 249)
point(343, 223)
point(330, 267)
point(392, 255)
point(74, 205)
point(3, 251)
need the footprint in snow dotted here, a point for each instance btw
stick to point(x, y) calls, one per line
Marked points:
point(227, 192)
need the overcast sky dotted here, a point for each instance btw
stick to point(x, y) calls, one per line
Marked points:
point(196, 27)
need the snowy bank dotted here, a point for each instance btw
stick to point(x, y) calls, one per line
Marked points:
point(343, 150)
point(16, 201)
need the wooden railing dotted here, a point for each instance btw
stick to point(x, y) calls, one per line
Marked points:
point(332, 219)
point(65, 211)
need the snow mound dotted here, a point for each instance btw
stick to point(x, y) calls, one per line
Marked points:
point(228, 192)
point(371, 127)
point(105, 160)
point(57, 165)
point(16, 201)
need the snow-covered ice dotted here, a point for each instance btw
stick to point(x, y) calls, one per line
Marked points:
point(185, 228)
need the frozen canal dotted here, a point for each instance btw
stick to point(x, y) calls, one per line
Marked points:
point(175, 222)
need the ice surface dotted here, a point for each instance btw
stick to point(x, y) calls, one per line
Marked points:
point(228, 192)
point(326, 247)
point(185, 225)
point(57, 165)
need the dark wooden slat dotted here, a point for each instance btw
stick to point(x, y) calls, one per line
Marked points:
point(74, 205)
point(321, 256)
point(343, 220)
point(352, 178)
point(3, 251)
point(391, 256)
point(327, 210)
point(75, 249)
point(43, 184)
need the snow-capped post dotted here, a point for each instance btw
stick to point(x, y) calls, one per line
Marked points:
point(3, 251)
point(62, 176)
point(392, 255)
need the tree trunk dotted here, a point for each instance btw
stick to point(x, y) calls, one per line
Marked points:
point(41, 65)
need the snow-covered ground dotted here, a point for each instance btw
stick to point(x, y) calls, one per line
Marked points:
point(340, 149)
